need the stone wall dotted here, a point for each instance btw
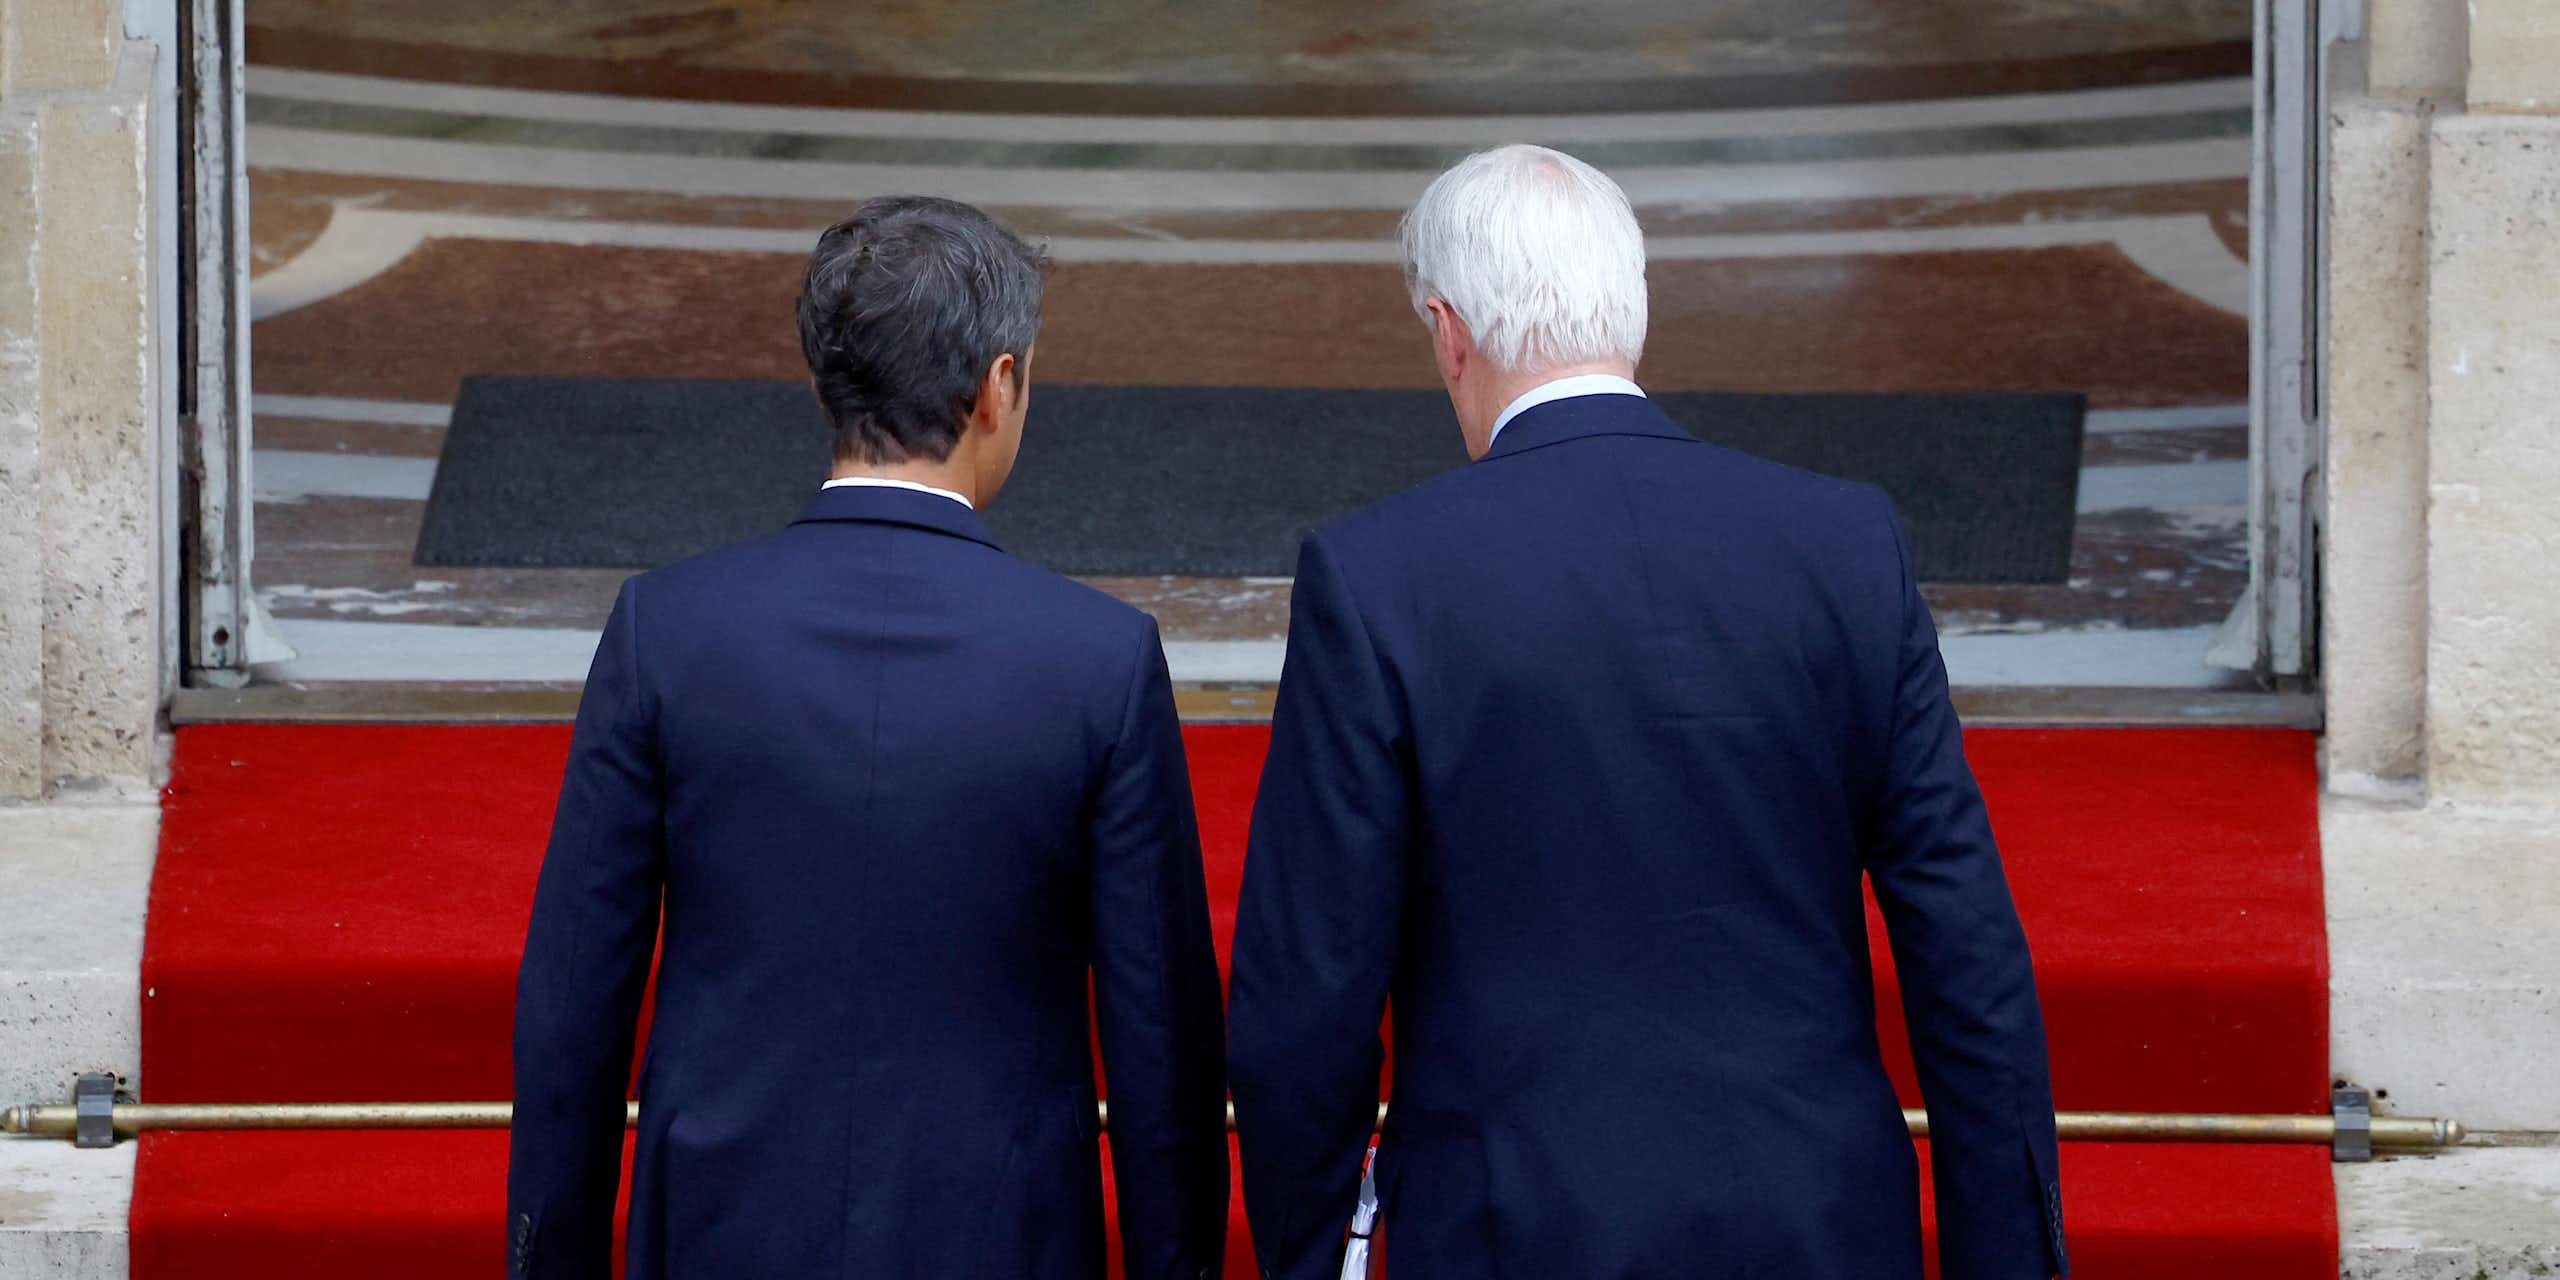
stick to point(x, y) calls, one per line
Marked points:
point(2493, 460)
point(80, 436)
point(2493, 619)
point(2373, 623)
point(2440, 616)
point(2440, 643)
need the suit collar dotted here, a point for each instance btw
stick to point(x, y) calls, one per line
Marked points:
point(896, 506)
point(1579, 417)
point(1566, 388)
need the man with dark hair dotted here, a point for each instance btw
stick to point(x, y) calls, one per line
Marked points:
point(960, 296)
point(884, 800)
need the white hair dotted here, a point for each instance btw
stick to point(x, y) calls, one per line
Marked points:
point(1539, 254)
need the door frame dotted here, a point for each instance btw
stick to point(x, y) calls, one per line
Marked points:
point(2275, 629)
point(216, 503)
point(2272, 632)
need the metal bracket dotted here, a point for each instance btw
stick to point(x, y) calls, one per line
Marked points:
point(93, 1103)
point(2352, 1108)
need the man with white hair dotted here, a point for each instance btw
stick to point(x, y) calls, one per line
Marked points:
point(1583, 752)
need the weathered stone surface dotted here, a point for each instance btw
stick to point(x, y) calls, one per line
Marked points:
point(2444, 989)
point(98, 489)
point(2515, 55)
point(58, 44)
point(63, 1211)
point(2417, 49)
point(21, 407)
point(79, 880)
point(2373, 571)
point(2493, 457)
point(2489, 1214)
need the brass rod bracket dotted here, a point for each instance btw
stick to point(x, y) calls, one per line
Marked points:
point(93, 1108)
point(2351, 1109)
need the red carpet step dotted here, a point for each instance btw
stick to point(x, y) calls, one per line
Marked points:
point(337, 912)
point(429, 1206)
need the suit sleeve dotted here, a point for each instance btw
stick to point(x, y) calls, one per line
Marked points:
point(586, 963)
point(1155, 984)
point(1968, 986)
point(1324, 886)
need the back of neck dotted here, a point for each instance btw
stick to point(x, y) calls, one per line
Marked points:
point(945, 474)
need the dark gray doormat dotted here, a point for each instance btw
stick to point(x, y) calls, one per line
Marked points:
point(1205, 481)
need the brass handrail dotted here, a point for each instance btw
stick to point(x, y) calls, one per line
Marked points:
point(2390, 1133)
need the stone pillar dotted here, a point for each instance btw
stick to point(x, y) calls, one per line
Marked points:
point(2493, 532)
point(2441, 627)
point(2493, 456)
point(2440, 645)
point(21, 422)
point(81, 669)
point(80, 660)
point(2373, 623)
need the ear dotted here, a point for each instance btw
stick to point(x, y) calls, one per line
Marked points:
point(1452, 346)
point(1000, 389)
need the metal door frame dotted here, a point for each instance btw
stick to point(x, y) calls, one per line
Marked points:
point(217, 608)
point(2275, 629)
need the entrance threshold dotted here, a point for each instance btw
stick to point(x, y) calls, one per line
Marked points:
point(386, 702)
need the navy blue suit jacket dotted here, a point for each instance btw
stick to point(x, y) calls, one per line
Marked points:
point(896, 794)
point(1581, 755)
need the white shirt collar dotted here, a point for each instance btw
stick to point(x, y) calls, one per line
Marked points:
point(883, 482)
point(1580, 384)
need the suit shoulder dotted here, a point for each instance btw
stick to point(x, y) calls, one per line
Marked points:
point(1061, 595)
point(1782, 483)
point(1062, 604)
point(1082, 632)
point(1835, 517)
point(1473, 488)
point(1390, 518)
point(748, 561)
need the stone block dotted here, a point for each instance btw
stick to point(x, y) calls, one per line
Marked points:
point(63, 1211)
point(2490, 1214)
point(98, 484)
point(78, 882)
point(2515, 55)
point(50, 45)
point(2373, 569)
point(2444, 988)
point(2417, 49)
point(2493, 460)
point(21, 406)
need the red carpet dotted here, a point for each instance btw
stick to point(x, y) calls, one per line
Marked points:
point(412, 1206)
point(337, 911)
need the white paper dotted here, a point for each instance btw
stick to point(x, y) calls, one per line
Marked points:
point(1364, 1222)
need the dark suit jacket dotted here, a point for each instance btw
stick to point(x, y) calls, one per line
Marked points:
point(897, 794)
point(1581, 753)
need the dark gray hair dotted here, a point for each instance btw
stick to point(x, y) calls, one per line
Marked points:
point(905, 305)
